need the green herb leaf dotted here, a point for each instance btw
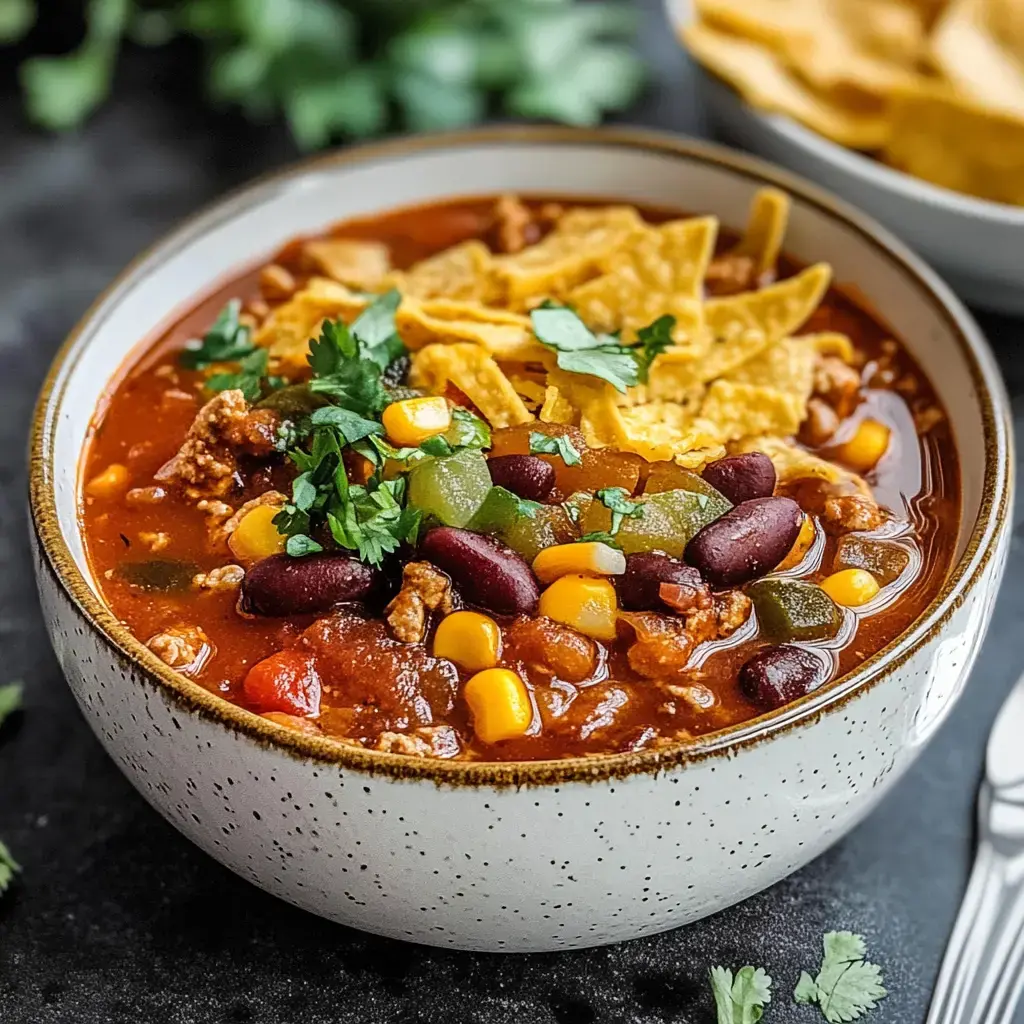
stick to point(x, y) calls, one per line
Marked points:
point(299, 544)
point(226, 341)
point(468, 431)
point(847, 986)
point(612, 363)
point(740, 999)
point(10, 700)
point(350, 425)
point(436, 446)
point(547, 444)
point(9, 867)
point(653, 340)
point(598, 537)
point(249, 379)
point(616, 500)
point(376, 333)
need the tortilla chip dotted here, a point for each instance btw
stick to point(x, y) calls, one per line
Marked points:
point(358, 264)
point(766, 228)
point(660, 272)
point(574, 251)
point(763, 80)
point(787, 367)
point(977, 64)
point(289, 328)
point(461, 273)
point(794, 463)
point(556, 409)
point(831, 343)
point(469, 367)
point(503, 334)
point(663, 431)
point(739, 410)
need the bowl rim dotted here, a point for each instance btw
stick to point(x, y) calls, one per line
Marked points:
point(58, 562)
point(852, 161)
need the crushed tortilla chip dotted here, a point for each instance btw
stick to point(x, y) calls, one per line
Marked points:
point(766, 228)
point(787, 367)
point(556, 409)
point(739, 410)
point(504, 335)
point(461, 273)
point(574, 251)
point(353, 262)
point(475, 373)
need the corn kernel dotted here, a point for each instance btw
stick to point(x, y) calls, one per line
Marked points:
point(111, 483)
point(591, 558)
point(868, 444)
point(471, 640)
point(256, 536)
point(850, 587)
point(500, 705)
point(410, 422)
point(586, 604)
point(802, 544)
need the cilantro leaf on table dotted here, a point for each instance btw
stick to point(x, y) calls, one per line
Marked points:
point(9, 867)
point(847, 986)
point(616, 500)
point(740, 999)
point(227, 341)
point(580, 350)
point(547, 444)
point(10, 700)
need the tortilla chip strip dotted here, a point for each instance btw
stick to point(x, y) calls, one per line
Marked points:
point(469, 367)
point(358, 264)
point(738, 410)
point(556, 409)
point(504, 335)
point(763, 80)
point(787, 367)
point(662, 272)
point(462, 273)
point(766, 228)
point(573, 252)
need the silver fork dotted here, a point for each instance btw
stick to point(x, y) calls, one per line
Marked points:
point(983, 970)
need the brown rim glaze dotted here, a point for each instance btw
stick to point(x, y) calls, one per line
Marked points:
point(980, 548)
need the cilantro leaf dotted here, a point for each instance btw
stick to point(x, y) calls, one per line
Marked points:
point(547, 444)
point(616, 500)
point(598, 537)
point(376, 333)
point(612, 363)
point(226, 341)
point(298, 545)
point(561, 328)
point(349, 424)
point(740, 999)
point(10, 700)
point(9, 867)
point(653, 340)
point(249, 379)
point(468, 431)
point(847, 986)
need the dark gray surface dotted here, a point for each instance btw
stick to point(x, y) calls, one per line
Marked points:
point(118, 919)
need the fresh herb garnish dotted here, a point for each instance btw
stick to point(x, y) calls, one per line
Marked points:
point(9, 867)
point(847, 986)
point(547, 444)
point(227, 341)
point(250, 378)
point(10, 700)
point(468, 431)
point(740, 999)
point(598, 537)
point(616, 500)
point(579, 350)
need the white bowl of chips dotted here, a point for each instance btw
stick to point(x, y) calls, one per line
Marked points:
point(911, 109)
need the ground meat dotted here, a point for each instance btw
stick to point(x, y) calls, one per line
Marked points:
point(849, 512)
point(697, 697)
point(431, 741)
point(730, 274)
point(821, 423)
point(225, 577)
point(928, 418)
point(276, 282)
point(516, 226)
point(140, 496)
point(424, 589)
point(185, 648)
point(837, 383)
point(155, 540)
point(593, 714)
point(549, 648)
point(207, 462)
point(732, 609)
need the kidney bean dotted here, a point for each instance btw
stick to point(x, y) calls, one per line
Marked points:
point(742, 477)
point(485, 571)
point(526, 475)
point(777, 675)
point(747, 542)
point(282, 585)
point(639, 586)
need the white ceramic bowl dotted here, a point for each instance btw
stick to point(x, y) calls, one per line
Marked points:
point(542, 855)
point(978, 246)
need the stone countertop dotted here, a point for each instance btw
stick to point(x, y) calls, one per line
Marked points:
point(117, 918)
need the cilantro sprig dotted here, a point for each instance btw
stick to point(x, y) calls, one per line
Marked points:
point(579, 350)
point(846, 986)
point(547, 444)
point(616, 500)
point(740, 999)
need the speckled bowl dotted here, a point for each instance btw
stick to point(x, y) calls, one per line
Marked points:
point(542, 855)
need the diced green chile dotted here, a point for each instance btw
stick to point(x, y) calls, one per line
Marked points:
point(789, 610)
point(158, 574)
point(885, 560)
point(502, 515)
point(452, 488)
point(670, 520)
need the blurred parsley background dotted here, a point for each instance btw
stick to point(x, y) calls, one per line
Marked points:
point(336, 69)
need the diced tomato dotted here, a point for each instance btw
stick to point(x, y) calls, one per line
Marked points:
point(286, 682)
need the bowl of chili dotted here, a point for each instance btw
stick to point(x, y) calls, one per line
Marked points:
point(532, 564)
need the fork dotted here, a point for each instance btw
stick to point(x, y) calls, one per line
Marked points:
point(982, 973)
